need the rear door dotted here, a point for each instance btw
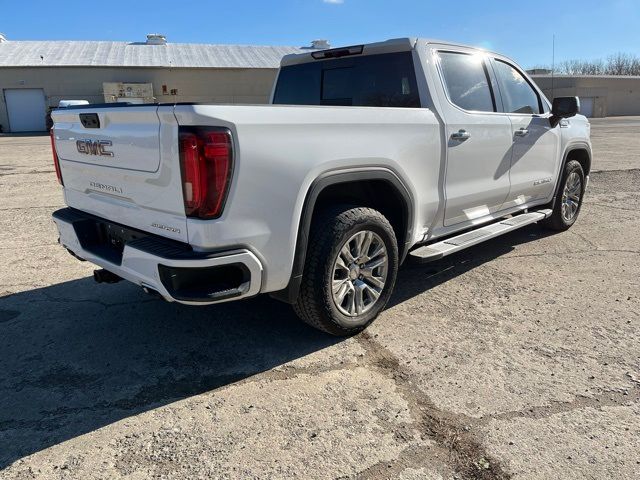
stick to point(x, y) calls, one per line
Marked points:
point(478, 139)
point(536, 143)
point(121, 163)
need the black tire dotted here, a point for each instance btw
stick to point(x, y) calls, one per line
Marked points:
point(330, 230)
point(557, 220)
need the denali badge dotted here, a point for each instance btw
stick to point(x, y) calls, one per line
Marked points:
point(165, 227)
point(94, 147)
point(106, 188)
point(541, 181)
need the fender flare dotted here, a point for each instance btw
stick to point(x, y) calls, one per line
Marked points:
point(290, 293)
point(578, 145)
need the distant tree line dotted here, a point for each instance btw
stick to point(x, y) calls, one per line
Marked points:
point(616, 64)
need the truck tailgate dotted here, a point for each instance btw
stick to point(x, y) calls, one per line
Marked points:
point(121, 163)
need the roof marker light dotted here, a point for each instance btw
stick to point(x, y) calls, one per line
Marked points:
point(338, 52)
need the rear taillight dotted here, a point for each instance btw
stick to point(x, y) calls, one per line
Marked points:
point(56, 162)
point(206, 161)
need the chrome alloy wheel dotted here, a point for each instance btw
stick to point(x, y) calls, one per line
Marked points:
point(359, 273)
point(571, 196)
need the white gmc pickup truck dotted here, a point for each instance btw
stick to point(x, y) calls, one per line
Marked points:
point(366, 154)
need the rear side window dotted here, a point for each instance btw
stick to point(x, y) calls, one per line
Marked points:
point(517, 95)
point(466, 80)
point(386, 80)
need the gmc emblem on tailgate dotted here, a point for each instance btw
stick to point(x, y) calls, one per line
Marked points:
point(94, 147)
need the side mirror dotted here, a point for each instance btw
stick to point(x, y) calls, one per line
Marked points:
point(565, 107)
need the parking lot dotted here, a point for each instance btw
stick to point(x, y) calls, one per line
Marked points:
point(518, 358)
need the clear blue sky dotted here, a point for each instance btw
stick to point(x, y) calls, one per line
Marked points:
point(584, 29)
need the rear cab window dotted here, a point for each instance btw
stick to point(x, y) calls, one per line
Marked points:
point(382, 80)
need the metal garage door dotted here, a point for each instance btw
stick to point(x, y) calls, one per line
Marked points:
point(586, 106)
point(26, 109)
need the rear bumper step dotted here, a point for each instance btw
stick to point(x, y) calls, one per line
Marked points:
point(168, 267)
point(435, 251)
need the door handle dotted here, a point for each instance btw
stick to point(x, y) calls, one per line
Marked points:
point(461, 135)
point(521, 132)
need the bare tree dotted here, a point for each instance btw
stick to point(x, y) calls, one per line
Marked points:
point(617, 64)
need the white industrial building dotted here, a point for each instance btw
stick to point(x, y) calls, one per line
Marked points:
point(600, 95)
point(36, 75)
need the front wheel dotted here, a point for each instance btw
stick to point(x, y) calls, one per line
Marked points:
point(567, 207)
point(350, 270)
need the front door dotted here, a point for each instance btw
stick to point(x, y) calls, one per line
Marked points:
point(536, 142)
point(478, 140)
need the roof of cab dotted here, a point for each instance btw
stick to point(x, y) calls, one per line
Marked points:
point(387, 46)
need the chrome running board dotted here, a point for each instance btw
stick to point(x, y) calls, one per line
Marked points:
point(435, 251)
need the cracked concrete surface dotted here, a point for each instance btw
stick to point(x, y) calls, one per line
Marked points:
point(519, 358)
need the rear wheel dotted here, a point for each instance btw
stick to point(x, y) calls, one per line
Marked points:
point(350, 270)
point(567, 207)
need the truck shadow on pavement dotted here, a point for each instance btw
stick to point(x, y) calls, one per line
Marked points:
point(77, 356)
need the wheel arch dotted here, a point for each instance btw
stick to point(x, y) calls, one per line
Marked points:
point(579, 151)
point(352, 186)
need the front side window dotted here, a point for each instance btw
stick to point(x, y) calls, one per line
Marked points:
point(517, 95)
point(466, 80)
point(385, 80)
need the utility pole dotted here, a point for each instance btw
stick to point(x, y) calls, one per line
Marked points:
point(553, 63)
